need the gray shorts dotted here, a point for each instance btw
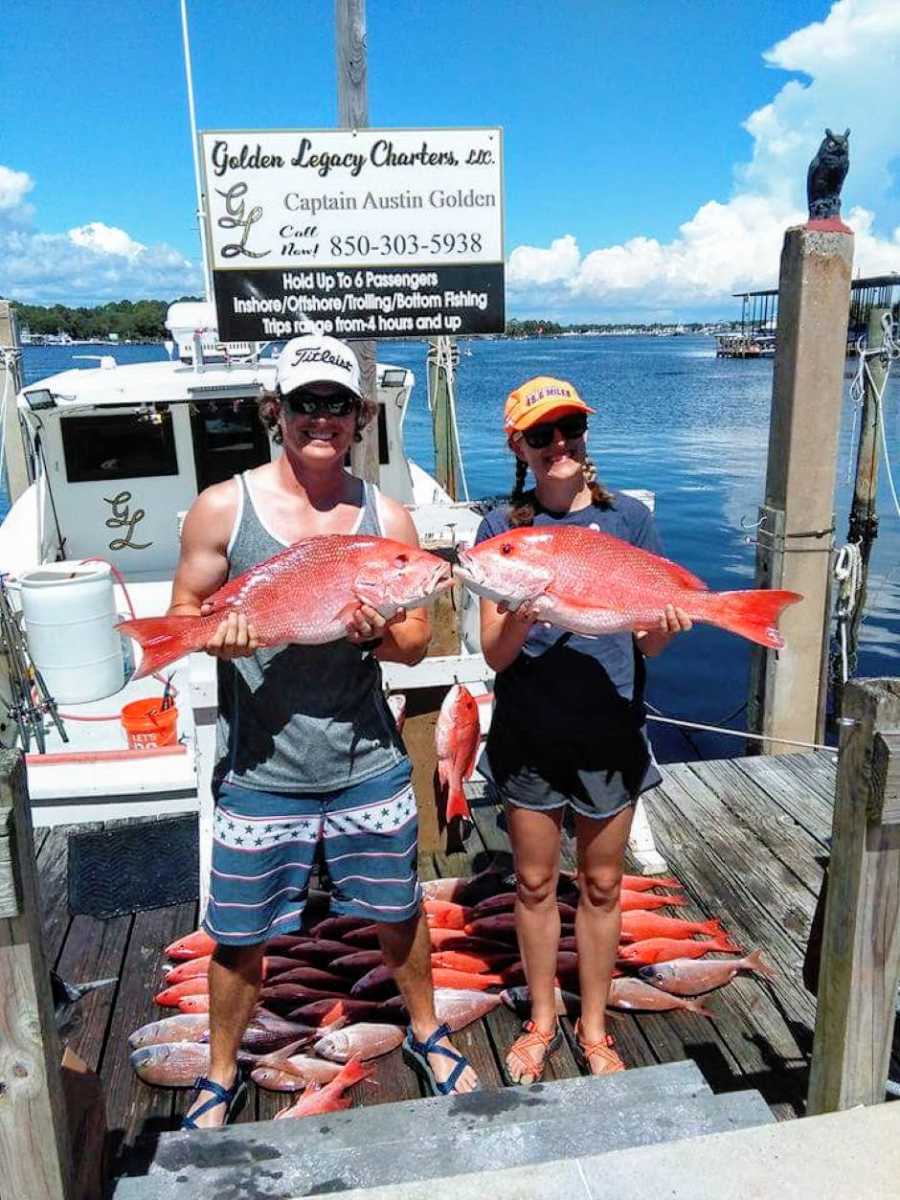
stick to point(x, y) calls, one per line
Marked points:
point(596, 780)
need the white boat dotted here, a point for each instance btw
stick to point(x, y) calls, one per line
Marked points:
point(115, 455)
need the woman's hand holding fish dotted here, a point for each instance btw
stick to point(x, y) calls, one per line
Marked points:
point(234, 638)
point(366, 624)
point(526, 613)
point(673, 620)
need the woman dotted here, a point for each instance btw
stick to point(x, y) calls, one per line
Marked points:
point(568, 728)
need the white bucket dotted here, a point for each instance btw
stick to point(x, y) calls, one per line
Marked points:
point(70, 613)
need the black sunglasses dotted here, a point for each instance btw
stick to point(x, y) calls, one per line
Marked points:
point(540, 436)
point(311, 404)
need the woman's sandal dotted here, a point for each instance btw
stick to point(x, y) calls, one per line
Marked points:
point(531, 1038)
point(602, 1049)
point(416, 1055)
point(233, 1099)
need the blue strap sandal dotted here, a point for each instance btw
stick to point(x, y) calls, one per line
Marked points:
point(416, 1055)
point(233, 1098)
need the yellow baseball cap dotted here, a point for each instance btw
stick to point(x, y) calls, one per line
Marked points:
point(539, 399)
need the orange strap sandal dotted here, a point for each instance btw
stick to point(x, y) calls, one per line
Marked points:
point(532, 1039)
point(602, 1049)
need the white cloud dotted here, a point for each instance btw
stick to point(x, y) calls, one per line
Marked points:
point(106, 239)
point(89, 264)
point(851, 59)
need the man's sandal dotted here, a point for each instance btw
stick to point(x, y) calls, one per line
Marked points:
point(602, 1049)
point(233, 1098)
point(416, 1055)
point(530, 1039)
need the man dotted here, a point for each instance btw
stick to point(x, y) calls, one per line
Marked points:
point(307, 751)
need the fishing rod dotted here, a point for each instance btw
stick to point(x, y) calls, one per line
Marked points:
point(31, 698)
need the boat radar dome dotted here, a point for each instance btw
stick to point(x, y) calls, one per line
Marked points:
point(195, 332)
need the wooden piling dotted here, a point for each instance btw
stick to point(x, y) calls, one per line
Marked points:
point(353, 113)
point(860, 957)
point(14, 469)
point(35, 1155)
point(796, 531)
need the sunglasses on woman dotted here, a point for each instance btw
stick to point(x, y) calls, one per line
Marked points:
point(314, 404)
point(540, 436)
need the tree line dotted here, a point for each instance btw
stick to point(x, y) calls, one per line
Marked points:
point(131, 320)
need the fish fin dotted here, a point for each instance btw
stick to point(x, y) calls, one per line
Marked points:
point(683, 577)
point(755, 962)
point(457, 805)
point(724, 943)
point(442, 772)
point(164, 639)
point(750, 614)
point(334, 1014)
point(673, 901)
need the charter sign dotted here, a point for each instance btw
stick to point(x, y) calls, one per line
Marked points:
point(369, 233)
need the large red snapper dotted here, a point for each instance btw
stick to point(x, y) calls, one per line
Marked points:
point(303, 594)
point(592, 583)
point(456, 739)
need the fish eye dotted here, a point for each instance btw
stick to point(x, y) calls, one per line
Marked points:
point(401, 560)
point(506, 548)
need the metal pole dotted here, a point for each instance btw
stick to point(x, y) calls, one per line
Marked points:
point(201, 207)
point(353, 113)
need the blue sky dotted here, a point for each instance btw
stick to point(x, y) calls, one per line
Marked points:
point(624, 120)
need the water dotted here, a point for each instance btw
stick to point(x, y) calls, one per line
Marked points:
point(673, 418)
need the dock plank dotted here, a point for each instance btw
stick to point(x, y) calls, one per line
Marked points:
point(136, 1111)
point(94, 950)
point(801, 788)
point(52, 868)
point(792, 849)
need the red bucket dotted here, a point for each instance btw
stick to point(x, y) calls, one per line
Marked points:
point(148, 725)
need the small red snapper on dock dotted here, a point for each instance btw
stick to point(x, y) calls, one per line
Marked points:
point(303, 594)
point(329, 1098)
point(592, 583)
point(689, 977)
point(456, 737)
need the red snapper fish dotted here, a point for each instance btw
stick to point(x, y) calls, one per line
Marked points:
point(687, 977)
point(456, 738)
point(592, 583)
point(303, 594)
point(330, 1097)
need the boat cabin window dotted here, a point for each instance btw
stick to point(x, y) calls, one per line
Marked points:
point(229, 438)
point(120, 445)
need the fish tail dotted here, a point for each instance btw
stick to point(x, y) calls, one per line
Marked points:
point(713, 926)
point(695, 1006)
point(755, 962)
point(674, 901)
point(353, 1072)
point(724, 943)
point(750, 614)
point(457, 805)
point(164, 639)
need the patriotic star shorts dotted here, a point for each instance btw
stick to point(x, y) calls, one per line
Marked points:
point(264, 845)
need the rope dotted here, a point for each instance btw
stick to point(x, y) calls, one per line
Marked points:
point(848, 573)
point(756, 737)
point(890, 351)
point(445, 363)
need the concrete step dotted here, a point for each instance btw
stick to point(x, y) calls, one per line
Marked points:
point(848, 1154)
point(392, 1144)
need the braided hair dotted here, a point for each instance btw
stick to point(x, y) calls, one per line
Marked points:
point(522, 504)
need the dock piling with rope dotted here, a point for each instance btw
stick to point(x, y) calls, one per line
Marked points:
point(795, 535)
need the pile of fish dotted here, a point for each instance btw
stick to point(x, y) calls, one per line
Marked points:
point(329, 1005)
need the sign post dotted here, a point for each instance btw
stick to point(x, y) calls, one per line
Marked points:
point(370, 233)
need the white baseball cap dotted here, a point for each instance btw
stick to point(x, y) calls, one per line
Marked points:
point(317, 359)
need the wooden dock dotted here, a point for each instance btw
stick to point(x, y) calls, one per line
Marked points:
point(747, 837)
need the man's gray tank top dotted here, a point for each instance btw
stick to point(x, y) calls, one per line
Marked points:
point(300, 718)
